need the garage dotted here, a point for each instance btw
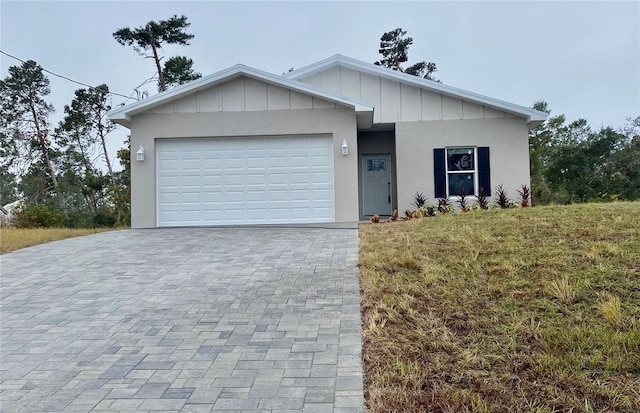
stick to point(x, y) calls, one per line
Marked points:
point(245, 180)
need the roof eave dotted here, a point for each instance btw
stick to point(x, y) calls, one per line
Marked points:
point(120, 118)
point(535, 120)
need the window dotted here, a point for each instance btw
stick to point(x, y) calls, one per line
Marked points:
point(461, 171)
point(458, 169)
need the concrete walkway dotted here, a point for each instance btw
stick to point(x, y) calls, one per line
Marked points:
point(183, 320)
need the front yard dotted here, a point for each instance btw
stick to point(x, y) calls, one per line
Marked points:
point(534, 309)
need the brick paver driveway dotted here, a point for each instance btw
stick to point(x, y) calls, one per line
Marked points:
point(185, 320)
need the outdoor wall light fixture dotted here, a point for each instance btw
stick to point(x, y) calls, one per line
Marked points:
point(345, 147)
point(140, 154)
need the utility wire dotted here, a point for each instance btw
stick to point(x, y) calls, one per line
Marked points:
point(64, 77)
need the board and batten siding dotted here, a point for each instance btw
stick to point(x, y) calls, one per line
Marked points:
point(243, 94)
point(395, 101)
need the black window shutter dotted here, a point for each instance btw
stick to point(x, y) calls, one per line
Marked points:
point(484, 171)
point(439, 173)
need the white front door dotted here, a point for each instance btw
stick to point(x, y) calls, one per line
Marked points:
point(376, 184)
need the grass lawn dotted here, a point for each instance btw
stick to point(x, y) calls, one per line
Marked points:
point(12, 239)
point(523, 310)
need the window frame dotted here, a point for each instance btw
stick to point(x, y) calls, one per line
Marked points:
point(475, 171)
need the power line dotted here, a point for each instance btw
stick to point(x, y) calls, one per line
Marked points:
point(64, 77)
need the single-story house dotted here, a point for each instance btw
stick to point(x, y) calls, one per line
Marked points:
point(336, 141)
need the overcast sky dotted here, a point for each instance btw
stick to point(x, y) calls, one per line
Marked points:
point(583, 58)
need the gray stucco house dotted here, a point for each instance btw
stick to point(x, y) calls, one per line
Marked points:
point(336, 141)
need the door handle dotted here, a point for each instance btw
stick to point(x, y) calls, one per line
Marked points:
point(389, 192)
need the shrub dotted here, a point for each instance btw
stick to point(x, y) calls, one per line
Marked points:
point(78, 219)
point(525, 196)
point(104, 219)
point(375, 219)
point(605, 197)
point(444, 206)
point(31, 216)
point(462, 202)
point(429, 210)
point(482, 199)
point(419, 200)
point(502, 200)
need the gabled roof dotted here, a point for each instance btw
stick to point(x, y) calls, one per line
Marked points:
point(123, 115)
point(534, 117)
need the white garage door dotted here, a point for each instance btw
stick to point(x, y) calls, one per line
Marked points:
point(253, 180)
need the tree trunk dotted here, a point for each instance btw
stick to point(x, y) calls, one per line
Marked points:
point(163, 87)
point(52, 172)
point(90, 198)
point(45, 150)
point(103, 142)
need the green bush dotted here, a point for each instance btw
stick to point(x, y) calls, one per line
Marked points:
point(104, 219)
point(78, 220)
point(31, 216)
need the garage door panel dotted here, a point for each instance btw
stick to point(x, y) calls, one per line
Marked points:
point(212, 197)
point(231, 144)
point(275, 179)
point(255, 162)
point(167, 164)
point(277, 161)
point(235, 197)
point(321, 177)
point(279, 195)
point(320, 160)
point(322, 211)
point(300, 212)
point(231, 181)
point(170, 198)
point(212, 164)
point(190, 198)
point(169, 216)
point(321, 194)
point(299, 160)
point(235, 181)
point(191, 182)
point(299, 178)
point(302, 194)
point(256, 213)
point(256, 179)
point(258, 193)
point(169, 181)
point(210, 179)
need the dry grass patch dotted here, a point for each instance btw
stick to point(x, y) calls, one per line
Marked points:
point(527, 310)
point(12, 239)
